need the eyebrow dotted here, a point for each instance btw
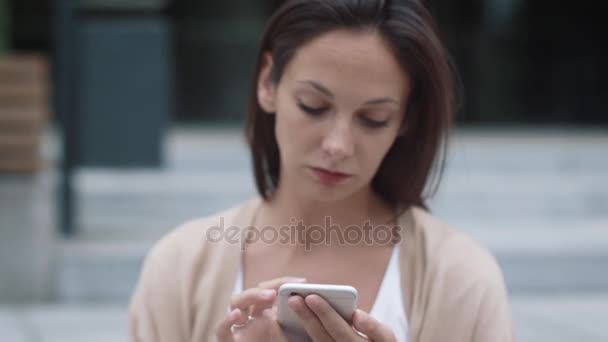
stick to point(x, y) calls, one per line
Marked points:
point(326, 91)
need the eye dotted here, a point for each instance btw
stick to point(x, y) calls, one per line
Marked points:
point(311, 110)
point(374, 123)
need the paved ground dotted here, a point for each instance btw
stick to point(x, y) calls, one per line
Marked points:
point(537, 319)
point(537, 199)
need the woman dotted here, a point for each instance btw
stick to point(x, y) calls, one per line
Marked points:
point(349, 107)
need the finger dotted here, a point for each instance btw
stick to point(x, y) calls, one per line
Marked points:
point(277, 282)
point(252, 302)
point(223, 331)
point(372, 328)
point(333, 323)
point(252, 296)
point(274, 330)
point(273, 284)
point(309, 320)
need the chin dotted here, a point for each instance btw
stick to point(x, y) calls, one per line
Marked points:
point(322, 193)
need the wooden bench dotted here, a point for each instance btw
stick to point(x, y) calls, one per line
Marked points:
point(24, 112)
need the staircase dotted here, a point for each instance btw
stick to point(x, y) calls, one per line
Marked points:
point(537, 198)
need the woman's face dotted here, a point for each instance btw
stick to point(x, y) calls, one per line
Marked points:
point(339, 106)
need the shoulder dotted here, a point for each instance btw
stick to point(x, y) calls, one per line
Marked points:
point(183, 260)
point(192, 248)
point(459, 281)
point(452, 251)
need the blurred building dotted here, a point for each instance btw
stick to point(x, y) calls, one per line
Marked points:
point(521, 62)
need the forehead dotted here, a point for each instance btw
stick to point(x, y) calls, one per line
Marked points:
point(346, 58)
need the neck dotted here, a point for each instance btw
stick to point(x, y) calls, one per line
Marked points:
point(364, 211)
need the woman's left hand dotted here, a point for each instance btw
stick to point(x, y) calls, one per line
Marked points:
point(324, 324)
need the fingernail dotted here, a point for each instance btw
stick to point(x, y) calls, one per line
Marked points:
point(361, 319)
point(268, 293)
point(298, 280)
point(363, 315)
point(234, 313)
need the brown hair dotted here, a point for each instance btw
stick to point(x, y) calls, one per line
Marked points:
point(411, 32)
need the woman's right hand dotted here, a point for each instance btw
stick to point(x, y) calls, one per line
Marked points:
point(252, 315)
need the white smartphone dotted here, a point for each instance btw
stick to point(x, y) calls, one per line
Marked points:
point(342, 298)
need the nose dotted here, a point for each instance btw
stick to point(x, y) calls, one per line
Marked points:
point(338, 143)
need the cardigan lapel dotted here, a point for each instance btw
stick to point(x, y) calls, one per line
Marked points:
point(227, 261)
point(412, 264)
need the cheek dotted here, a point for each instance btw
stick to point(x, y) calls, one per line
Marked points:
point(292, 131)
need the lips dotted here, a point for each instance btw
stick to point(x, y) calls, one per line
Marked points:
point(329, 176)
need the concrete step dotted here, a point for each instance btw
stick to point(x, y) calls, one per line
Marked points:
point(549, 258)
point(537, 199)
point(27, 235)
point(114, 199)
point(495, 175)
point(483, 149)
point(538, 318)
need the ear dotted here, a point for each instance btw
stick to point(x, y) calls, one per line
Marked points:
point(266, 88)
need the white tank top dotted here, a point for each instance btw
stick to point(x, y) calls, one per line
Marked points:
point(388, 307)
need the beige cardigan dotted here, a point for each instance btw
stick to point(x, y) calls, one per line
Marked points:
point(453, 289)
